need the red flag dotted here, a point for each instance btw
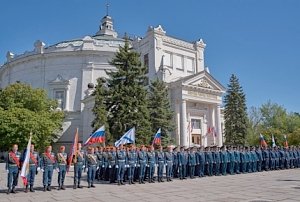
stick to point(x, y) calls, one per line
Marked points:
point(73, 149)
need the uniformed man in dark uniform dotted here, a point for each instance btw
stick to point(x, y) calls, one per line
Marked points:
point(237, 157)
point(99, 153)
point(192, 162)
point(79, 165)
point(224, 160)
point(175, 162)
point(209, 161)
point(92, 165)
point(169, 163)
point(160, 159)
point(260, 158)
point(132, 163)
point(142, 159)
point(112, 165)
point(182, 160)
point(217, 160)
point(201, 161)
point(151, 162)
point(48, 164)
point(62, 167)
point(13, 166)
point(266, 158)
point(120, 164)
point(34, 167)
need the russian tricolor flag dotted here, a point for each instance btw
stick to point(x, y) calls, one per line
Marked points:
point(157, 137)
point(262, 141)
point(97, 137)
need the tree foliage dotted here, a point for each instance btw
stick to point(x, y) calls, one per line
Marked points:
point(24, 110)
point(235, 113)
point(126, 100)
point(161, 115)
point(273, 119)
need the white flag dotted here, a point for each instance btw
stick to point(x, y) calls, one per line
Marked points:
point(25, 166)
point(128, 137)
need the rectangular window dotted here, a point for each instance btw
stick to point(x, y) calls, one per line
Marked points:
point(168, 59)
point(178, 62)
point(146, 62)
point(196, 123)
point(60, 96)
point(190, 65)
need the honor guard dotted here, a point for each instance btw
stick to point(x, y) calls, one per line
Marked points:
point(62, 167)
point(34, 167)
point(79, 165)
point(48, 164)
point(142, 158)
point(224, 160)
point(112, 164)
point(92, 166)
point(169, 163)
point(175, 162)
point(201, 161)
point(217, 160)
point(120, 166)
point(12, 167)
point(192, 162)
point(160, 159)
point(100, 156)
point(182, 162)
point(131, 163)
point(151, 162)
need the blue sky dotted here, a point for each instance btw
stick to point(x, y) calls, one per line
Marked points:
point(258, 40)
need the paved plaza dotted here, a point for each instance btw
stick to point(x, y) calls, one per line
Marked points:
point(256, 187)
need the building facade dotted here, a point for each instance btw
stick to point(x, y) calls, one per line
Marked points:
point(68, 71)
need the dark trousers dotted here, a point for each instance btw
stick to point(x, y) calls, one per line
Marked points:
point(182, 171)
point(31, 175)
point(47, 175)
point(61, 174)
point(91, 172)
point(77, 173)
point(12, 177)
point(120, 171)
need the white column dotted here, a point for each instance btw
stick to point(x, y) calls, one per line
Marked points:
point(189, 133)
point(218, 125)
point(213, 124)
point(204, 131)
point(183, 125)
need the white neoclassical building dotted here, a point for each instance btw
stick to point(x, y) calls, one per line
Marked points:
point(68, 70)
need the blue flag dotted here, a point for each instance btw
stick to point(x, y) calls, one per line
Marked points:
point(127, 138)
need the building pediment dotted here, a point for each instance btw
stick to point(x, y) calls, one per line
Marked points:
point(202, 80)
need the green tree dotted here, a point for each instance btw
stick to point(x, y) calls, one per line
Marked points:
point(235, 113)
point(99, 109)
point(24, 110)
point(161, 114)
point(126, 101)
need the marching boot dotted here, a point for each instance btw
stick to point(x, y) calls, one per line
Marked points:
point(161, 180)
point(129, 182)
point(59, 187)
point(122, 183)
point(119, 182)
point(31, 188)
point(79, 186)
point(140, 181)
point(13, 190)
point(44, 188)
point(63, 187)
point(49, 188)
point(89, 186)
point(143, 181)
point(8, 191)
point(26, 189)
point(92, 185)
point(74, 186)
point(132, 182)
point(170, 180)
point(152, 180)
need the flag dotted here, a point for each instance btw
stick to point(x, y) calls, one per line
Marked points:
point(190, 127)
point(262, 141)
point(273, 141)
point(214, 132)
point(97, 137)
point(286, 145)
point(25, 166)
point(127, 138)
point(157, 137)
point(73, 149)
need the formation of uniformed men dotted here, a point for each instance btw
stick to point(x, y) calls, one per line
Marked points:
point(132, 164)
